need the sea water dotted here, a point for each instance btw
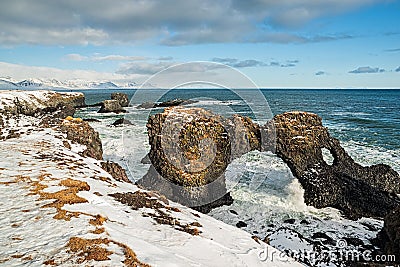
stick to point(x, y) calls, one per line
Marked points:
point(367, 122)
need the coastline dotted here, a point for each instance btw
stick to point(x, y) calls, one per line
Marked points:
point(57, 208)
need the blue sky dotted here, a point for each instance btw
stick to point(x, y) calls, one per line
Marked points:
point(278, 44)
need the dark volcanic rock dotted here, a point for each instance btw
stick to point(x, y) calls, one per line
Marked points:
point(122, 121)
point(191, 148)
point(111, 106)
point(82, 133)
point(241, 224)
point(145, 160)
point(202, 199)
point(91, 120)
point(147, 105)
point(116, 171)
point(52, 115)
point(356, 190)
point(169, 103)
point(389, 237)
point(175, 102)
point(122, 99)
point(289, 221)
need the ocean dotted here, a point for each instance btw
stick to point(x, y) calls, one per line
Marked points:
point(367, 122)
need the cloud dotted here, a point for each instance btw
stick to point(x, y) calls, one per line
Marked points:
point(228, 61)
point(392, 50)
point(165, 58)
point(319, 73)
point(366, 70)
point(149, 68)
point(78, 57)
point(236, 63)
point(398, 69)
point(102, 22)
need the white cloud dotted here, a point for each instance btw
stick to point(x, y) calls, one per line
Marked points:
point(366, 70)
point(78, 57)
point(172, 22)
point(20, 72)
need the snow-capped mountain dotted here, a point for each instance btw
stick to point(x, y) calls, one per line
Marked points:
point(6, 84)
point(9, 83)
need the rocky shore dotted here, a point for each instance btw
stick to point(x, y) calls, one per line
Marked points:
point(191, 149)
point(63, 205)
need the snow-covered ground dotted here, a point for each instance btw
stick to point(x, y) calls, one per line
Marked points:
point(56, 208)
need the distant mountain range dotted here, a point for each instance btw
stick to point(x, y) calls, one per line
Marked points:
point(9, 83)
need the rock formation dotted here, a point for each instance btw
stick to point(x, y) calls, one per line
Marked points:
point(116, 171)
point(122, 121)
point(108, 106)
point(33, 103)
point(356, 190)
point(191, 148)
point(169, 103)
point(81, 132)
point(122, 99)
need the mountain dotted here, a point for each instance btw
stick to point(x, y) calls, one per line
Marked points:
point(5, 84)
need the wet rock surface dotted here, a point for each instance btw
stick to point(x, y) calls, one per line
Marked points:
point(191, 148)
point(356, 190)
point(121, 122)
point(169, 103)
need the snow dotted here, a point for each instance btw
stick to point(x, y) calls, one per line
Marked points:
point(30, 235)
point(35, 83)
point(33, 98)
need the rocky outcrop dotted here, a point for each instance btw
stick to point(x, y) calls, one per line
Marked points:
point(122, 99)
point(109, 106)
point(356, 190)
point(191, 148)
point(81, 132)
point(116, 171)
point(33, 103)
point(169, 103)
point(388, 238)
point(122, 121)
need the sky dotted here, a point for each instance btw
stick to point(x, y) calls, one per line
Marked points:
point(276, 44)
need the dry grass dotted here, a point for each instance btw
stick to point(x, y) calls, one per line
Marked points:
point(89, 249)
point(130, 257)
point(98, 220)
point(98, 231)
point(62, 197)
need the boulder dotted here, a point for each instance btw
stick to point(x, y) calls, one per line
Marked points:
point(169, 103)
point(122, 121)
point(356, 190)
point(81, 132)
point(147, 105)
point(109, 106)
point(175, 102)
point(116, 171)
point(122, 99)
point(190, 150)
